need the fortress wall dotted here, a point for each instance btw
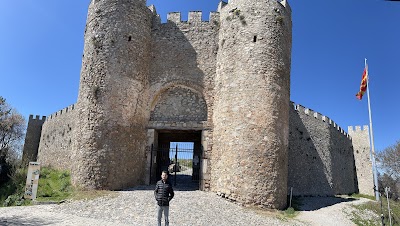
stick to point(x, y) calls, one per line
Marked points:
point(184, 54)
point(321, 160)
point(180, 104)
point(343, 163)
point(32, 139)
point(360, 138)
point(58, 135)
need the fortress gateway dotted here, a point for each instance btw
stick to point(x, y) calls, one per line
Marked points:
point(222, 84)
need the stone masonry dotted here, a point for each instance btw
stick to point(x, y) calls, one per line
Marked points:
point(362, 158)
point(32, 139)
point(225, 83)
point(320, 153)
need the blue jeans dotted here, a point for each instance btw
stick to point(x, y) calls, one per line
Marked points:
point(166, 212)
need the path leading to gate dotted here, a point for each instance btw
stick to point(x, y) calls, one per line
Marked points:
point(137, 207)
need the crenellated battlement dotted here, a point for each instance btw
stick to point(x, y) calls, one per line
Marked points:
point(37, 118)
point(319, 116)
point(352, 129)
point(62, 111)
point(194, 17)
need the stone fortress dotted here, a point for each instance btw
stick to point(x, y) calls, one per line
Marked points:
point(223, 84)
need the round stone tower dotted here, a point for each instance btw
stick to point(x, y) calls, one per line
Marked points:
point(110, 143)
point(251, 112)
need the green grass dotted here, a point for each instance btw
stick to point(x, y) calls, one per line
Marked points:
point(293, 211)
point(186, 162)
point(54, 186)
point(357, 196)
point(375, 207)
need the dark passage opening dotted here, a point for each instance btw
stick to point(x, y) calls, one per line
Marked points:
point(178, 152)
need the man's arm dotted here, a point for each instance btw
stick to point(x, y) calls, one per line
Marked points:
point(171, 193)
point(155, 191)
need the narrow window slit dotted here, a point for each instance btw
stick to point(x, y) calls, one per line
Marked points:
point(255, 38)
point(129, 38)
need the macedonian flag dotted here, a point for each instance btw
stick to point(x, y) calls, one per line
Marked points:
point(363, 86)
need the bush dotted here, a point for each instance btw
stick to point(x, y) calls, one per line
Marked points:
point(12, 192)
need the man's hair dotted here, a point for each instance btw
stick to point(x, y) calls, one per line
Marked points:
point(164, 171)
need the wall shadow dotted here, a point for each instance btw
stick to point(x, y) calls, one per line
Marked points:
point(315, 203)
point(344, 172)
point(31, 221)
point(306, 168)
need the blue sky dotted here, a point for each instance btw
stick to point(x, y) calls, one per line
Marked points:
point(41, 46)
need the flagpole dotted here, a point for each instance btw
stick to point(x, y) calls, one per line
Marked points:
point(372, 149)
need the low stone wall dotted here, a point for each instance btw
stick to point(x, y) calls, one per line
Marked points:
point(56, 142)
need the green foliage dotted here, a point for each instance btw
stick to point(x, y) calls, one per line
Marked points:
point(12, 129)
point(186, 162)
point(358, 219)
point(290, 211)
point(388, 181)
point(12, 192)
point(54, 185)
point(389, 160)
point(296, 202)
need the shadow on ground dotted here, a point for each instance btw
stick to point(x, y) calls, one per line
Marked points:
point(315, 203)
point(183, 183)
point(31, 221)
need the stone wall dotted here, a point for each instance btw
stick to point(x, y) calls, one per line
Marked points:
point(180, 104)
point(32, 139)
point(360, 138)
point(251, 115)
point(321, 160)
point(113, 96)
point(58, 136)
point(184, 55)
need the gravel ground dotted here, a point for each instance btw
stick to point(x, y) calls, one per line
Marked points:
point(328, 210)
point(189, 207)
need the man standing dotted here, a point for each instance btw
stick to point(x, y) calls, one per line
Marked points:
point(163, 194)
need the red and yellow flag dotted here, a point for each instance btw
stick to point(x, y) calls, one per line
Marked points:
point(363, 86)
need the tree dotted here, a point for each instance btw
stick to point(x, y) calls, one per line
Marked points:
point(389, 159)
point(12, 128)
point(387, 181)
